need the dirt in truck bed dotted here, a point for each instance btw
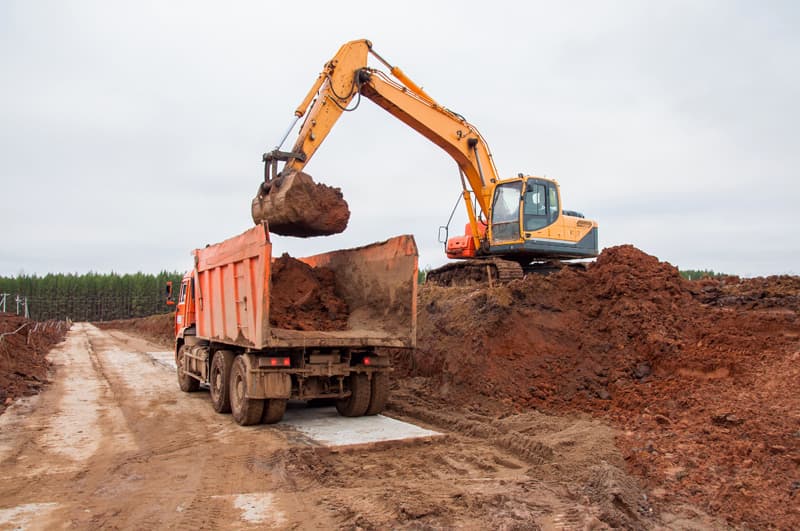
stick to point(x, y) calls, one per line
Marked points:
point(304, 297)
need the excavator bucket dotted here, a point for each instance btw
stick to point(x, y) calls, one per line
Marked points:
point(294, 205)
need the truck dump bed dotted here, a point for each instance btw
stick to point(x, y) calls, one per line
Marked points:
point(378, 282)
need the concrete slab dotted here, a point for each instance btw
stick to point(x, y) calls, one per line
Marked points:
point(325, 427)
point(165, 358)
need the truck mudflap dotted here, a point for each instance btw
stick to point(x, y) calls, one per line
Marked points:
point(263, 384)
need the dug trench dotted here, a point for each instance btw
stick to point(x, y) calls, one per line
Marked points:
point(616, 396)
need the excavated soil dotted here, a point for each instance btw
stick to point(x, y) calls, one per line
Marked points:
point(158, 328)
point(701, 377)
point(298, 206)
point(23, 345)
point(304, 298)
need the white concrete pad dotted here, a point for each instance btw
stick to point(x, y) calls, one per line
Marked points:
point(324, 426)
point(28, 516)
point(165, 358)
point(257, 508)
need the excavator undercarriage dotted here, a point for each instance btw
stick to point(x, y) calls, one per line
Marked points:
point(494, 270)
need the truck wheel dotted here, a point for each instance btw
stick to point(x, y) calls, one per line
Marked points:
point(357, 403)
point(219, 381)
point(379, 394)
point(186, 382)
point(246, 411)
point(274, 408)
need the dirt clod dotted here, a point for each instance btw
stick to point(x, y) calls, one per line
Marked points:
point(298, 206)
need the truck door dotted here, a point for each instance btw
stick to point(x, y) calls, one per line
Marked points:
point(184, 311)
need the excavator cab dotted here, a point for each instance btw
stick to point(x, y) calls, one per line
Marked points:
point(527, 223)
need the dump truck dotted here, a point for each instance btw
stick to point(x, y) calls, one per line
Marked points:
point(226, 337)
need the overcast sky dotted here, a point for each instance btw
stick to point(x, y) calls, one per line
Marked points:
point(132, 132)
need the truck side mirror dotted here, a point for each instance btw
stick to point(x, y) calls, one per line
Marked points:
point(170, 302)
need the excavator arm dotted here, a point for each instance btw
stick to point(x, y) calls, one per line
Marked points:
point(347, 77)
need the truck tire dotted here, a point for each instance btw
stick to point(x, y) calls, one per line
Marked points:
point(274, 408)
point(245, 411)
point(357, 403)
point(186, 382)
point(379, 393)
point(219, 381)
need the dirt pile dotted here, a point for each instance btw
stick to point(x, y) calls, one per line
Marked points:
point(304, 298)
point(23, 346)
point(697, 375)
point(297, 206)
point(779, 291)
point(158, 328)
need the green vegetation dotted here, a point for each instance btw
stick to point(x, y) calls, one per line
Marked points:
point(697, 274)
point(89, 297)
point(422, 274)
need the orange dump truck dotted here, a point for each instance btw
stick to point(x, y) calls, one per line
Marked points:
point(225, 335)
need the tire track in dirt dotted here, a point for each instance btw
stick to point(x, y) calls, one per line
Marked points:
point(135, 452)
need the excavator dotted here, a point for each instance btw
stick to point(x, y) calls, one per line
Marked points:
point(513, 224)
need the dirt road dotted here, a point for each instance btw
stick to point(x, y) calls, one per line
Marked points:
point(112, 443)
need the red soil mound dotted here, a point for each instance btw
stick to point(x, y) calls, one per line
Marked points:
point(698, 375)
point(23, 346)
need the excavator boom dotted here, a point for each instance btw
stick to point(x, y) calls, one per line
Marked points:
point(520, 219)
point(345, 77)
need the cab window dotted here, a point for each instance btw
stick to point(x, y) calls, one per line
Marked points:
point(182, 298)
point(505, 212)
point(540, 205)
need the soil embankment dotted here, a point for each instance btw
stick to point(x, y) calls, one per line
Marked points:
point(697, 375)
point(23, 346)
point(159, 328)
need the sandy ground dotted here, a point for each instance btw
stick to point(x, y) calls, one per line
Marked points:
point(112, 443)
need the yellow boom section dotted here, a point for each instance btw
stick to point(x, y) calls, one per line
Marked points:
point(347, 76)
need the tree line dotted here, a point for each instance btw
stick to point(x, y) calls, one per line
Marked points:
point(697, 274)
point(88, 297)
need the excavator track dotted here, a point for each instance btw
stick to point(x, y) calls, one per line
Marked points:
point(477, 271)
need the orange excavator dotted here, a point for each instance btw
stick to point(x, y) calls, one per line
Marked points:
point(513, 222)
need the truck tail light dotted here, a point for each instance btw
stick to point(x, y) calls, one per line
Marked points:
point(367, 361)
point(280, 362)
